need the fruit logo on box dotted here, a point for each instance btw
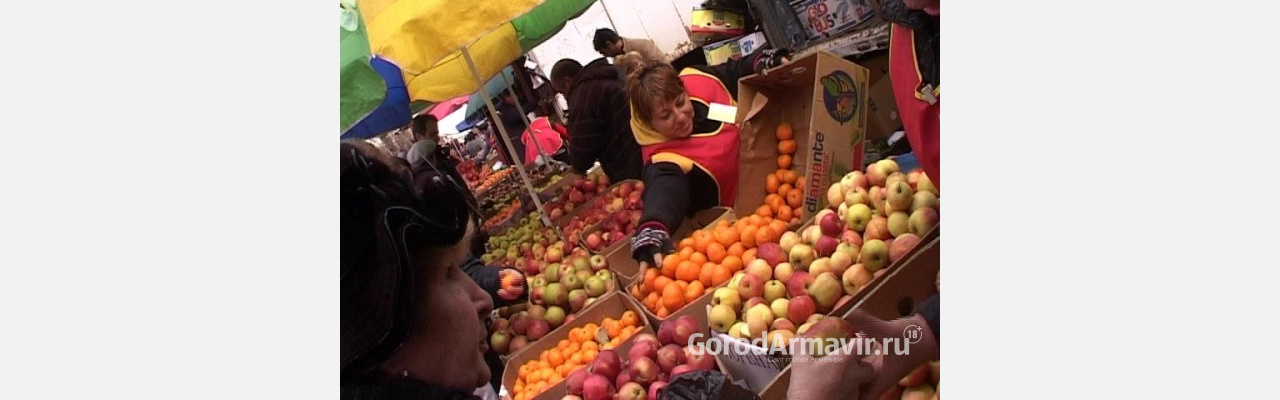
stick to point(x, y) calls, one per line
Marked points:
point(817, 180)
point(839, 95)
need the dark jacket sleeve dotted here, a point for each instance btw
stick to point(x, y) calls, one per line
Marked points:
point(666, 195)
point(931, 310)
point(731, 71)
point(588, 128)
point(487, 278)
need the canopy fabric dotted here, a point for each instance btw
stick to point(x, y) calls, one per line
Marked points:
point(360, 87)
point(441, 110)
point(394, 111)
point(494, 87)
point(412, 36)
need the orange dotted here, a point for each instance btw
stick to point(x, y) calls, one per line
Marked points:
point(564, 344)
point(686, 252)
point(724, 223)
point(789, 177)
point(663, 313)
point(589, 355)
point(669, 269)
point(765, 234)
point(787, 147)
point(784, 161)
point(672, 298)
point(781, 173)
point(661, 283)
point(785, 213)
point(653, 273)
point(783, 132)
point(688, 272)
point(720, 274)
point(681, 285)
point(748, 237)
point(591, 344)
point(693, 292)
point(698, 258)
point(748, 256)
point(725, 237)
point(637, 291)
point(771, 183)
point(629, 318)
point(673, 258)
point(764, 211)
point(731, 264)
point(784, 189)
point(774, 201)
point(778, 227)
point(627, 332)
point(615, 329)
point(795, 198)
point(576, 358)
point(737, 249)
point(716, 252)
point(555, 359)
point(704, 275)
point(701, 239)
point(686, 243)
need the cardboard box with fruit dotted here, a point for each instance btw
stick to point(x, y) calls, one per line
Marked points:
point(802, 124)
point(894, 295)
point(539, 370)
point(686, 277)
point(644, 369)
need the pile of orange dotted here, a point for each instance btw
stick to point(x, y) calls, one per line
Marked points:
point(578, 351)
point(705, 260)
point(784, 186)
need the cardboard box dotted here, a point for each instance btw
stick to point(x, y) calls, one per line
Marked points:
point(895, 296)
point(696, 308)
point(610, 306)
point(627, 269)
point(732, 49)
point(824, 18)
point(824, 99)
point(884, 119)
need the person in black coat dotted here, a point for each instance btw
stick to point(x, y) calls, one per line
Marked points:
point(599, 118)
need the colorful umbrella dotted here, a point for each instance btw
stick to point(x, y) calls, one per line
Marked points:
point(361, 88)
point(394, 111)
point(442, 110)
point(424, 37)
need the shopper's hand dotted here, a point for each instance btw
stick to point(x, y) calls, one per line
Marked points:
point(890, 368)
point(511, 284)
point(826, 376)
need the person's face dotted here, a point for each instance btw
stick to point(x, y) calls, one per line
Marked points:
point(613, 49)
point(448, 343)
point(673, 118)
point(562, 85)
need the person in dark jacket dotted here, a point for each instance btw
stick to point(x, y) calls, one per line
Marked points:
point(599, 118)
point(511, 119)
point(690, 160)
point(412, 322)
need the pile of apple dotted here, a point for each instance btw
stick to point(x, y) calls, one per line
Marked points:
point(651, 362)
point(574, 284)
point(513, 332)
point(582, 190)
point(877, 226)
point(618, 215)
point(502, 215)
point(920, 384)
point(784, 288)
point(529, 247)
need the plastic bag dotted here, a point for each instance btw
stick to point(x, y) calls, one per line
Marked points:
point(705, 385)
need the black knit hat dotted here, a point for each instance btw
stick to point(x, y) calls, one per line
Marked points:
point(385, 220)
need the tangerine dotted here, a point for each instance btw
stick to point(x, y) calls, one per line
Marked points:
point(795, 198)
point(783, 132)
point(787, 147)
point(672, 298)
point(784, 161)
point(717, 252)
point(771, 183)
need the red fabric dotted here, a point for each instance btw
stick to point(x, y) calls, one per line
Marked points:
point(716, 153)
point(919, 118)
point(548, 138)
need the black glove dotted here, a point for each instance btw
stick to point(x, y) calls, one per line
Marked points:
point(770, 58)
point(650, 241)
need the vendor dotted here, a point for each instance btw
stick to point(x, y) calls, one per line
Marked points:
point(690, 159)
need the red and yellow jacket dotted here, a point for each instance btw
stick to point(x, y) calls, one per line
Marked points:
point(713, 146)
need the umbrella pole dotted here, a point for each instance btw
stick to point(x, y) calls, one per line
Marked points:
point(533, 193)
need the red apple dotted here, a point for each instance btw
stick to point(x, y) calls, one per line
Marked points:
point(607, 363)
point(799, 283)
point(654, 388)
point(597, 387)
point(623, 377)
point(642, 350)
point(670, 356)
point(771, 253)
point(698, 359)
point(575, 381)
point(900, 247)
point(647, 337)
point(644, 370)
point(800, 308)
point(685, 327)
point(826, 246)
point(752, 286)
point(680, 369)
point(831, 225)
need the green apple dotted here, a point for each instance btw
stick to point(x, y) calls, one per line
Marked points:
point(857, 218)
point(722, 317)
point(875, 255)
point(898, 223)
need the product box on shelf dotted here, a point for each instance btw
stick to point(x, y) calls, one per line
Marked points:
point(611, 306)
point(824, 18)
point(707, 25)
point(823, 98)
point(720, 52)
point(897, 295)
